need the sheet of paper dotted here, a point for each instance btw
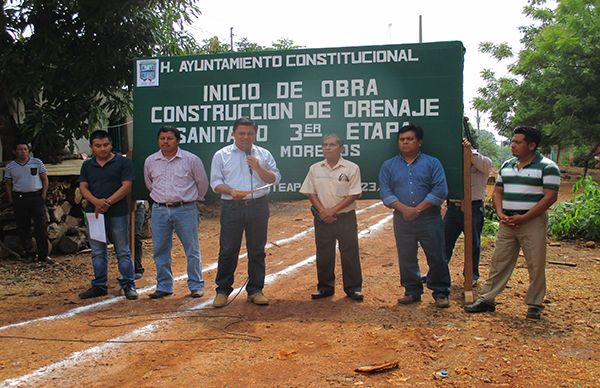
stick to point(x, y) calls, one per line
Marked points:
point(96, 227)
point(261, 187)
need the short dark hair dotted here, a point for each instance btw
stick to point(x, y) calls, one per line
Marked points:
point(19, 142)
point(246, 122)
point(335, 136)
point(99, 134)
point(411, 127)
point(168, 128)
point(532, 135)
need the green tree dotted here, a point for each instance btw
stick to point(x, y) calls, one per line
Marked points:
point(66, 65)
point(285, 44)
point(214, 45)
point(555, 82)
point(490, 148)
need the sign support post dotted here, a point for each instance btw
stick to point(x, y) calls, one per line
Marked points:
point(468, 225)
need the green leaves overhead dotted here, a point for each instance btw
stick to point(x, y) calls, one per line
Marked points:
point(66, 65)
point(554, 83)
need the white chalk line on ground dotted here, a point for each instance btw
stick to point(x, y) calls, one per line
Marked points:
point(95, 352)
point(109, 301)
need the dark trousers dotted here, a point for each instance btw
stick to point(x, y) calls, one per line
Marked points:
point(427, 230)
point(30, 206)
point(454, 225)
point(237, 218)
point(345, 232)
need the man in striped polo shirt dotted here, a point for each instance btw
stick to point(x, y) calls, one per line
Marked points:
point(26, 184)
point(526, 186)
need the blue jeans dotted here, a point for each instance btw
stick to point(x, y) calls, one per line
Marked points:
point(428, 230)
point(117, 231)
point(140, 218)
point(454, 226)
point(237, 217)
point(184, 221)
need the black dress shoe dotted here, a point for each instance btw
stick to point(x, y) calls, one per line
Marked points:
point(480, 307)
point(534, 313)
point(130, 293)
point(93, 292)
point(159, 294)
point(356, 295)
point(321, 294)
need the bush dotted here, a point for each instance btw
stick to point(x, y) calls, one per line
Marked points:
point(578, 218)
point(490, 220)
point(490, 228)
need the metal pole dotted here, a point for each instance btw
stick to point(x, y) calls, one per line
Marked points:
point(231, 37)
point(420, 28)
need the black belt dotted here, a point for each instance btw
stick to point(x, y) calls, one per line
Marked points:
point(172, 204)
point(247, 202)
point(514, 212)
point(458, 202)
point(28, 194)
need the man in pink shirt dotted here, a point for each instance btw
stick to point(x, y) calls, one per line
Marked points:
point(177, 180)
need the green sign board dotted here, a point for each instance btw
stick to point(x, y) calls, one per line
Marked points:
point(363, 94)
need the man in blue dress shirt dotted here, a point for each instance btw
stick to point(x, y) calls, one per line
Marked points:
point(414, 185)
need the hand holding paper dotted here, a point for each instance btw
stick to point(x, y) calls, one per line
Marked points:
point(96, 228)
point(240, 194)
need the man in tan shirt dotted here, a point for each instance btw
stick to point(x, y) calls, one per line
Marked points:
point(333, 185)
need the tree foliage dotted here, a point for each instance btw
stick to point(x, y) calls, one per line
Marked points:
point(214, 45)
point(66, 65)
point(554, 83)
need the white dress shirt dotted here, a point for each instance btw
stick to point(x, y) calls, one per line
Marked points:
point(230, 167)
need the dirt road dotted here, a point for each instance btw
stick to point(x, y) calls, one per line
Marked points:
point(51, 338)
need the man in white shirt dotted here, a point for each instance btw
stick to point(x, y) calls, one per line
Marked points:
point(333, 185)
point(237, 171)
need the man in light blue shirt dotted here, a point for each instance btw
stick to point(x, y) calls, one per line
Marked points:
point(414, 185)
point(238, 173)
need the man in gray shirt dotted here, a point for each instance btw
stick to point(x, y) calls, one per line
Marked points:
point(26, 184)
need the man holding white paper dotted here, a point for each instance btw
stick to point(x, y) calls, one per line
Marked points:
point(242, 173)
point(105, 180)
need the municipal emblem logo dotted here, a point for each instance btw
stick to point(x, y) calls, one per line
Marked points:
point(147, 73)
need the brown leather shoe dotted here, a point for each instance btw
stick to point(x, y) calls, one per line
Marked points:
point(442, 303)
point(220, 300)
point(409, 299)
point(258, 298)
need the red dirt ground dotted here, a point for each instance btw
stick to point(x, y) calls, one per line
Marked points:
point(296, 341)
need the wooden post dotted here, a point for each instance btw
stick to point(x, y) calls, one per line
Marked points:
point(132, 206)
point(468, 225)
